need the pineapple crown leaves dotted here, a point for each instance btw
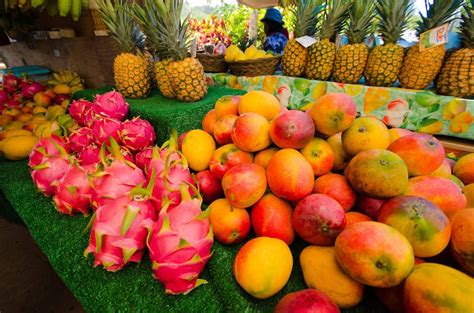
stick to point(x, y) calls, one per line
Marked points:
point(467, 25)
point(306, 13)
point(173, 32)
point(121, 25)
point(438, 13)
point(361, 17)
point(393, 18)
point(333, 18)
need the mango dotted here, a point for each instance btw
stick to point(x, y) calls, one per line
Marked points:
point(437, 288)
point(13, 133)
point(321, 272)
point(18, 148)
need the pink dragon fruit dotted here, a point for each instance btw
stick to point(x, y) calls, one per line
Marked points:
point(3, 96)
point(143, 158)
point(81, 111)
point(117, 178)
point(120, 228)
point(80, 139)
point(171, 170)
point(137, 134)
point(28, 90)
point(45, 148)
point(74, 192)
point(47, 175)
point(111, 104)
point(180, 244)
point(11, 83)
point(105, 128)
point(90, 155)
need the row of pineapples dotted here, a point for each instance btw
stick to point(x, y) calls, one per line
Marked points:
point(158, 25)
point(384, 64)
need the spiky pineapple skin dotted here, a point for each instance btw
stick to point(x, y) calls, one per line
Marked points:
point(163, 79)
point(131, 75)
point(419, 69)
point(294, 59)
point(457, 75)
point(320, 63)
point(187, 80)
point(350, 63)
point(383, 65)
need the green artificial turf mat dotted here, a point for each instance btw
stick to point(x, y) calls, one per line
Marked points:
point(63, 240)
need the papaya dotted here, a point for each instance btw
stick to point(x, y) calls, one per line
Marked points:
point(437, 288)
point(18, 148)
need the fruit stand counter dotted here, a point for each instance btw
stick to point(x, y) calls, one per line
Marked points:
point(422, 111)
point(63, 240)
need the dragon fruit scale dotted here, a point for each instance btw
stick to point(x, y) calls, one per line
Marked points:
point(81, 111)
point(89, 155)
point(45, 148)
point(137, 134)
point(120, 228)
point(180, 244)
point(74, 192)
point(111, 104)
point(103, 129)
point(80, 139)
point(117, 178)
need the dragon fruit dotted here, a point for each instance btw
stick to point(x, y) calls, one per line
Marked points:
point(120, 228)
point(11, 83)
point(80, 139)
point(180, 244)
point(137, 134)
point(128, 156)
point(117, 178)
point(28, 90)
point(143, 158)
point(3, 96)
point(81, 111)
point(111, 104)
point(171, 170)
point(90, 155)
point(74, 192)
point(47, 175)
point(45, 148)
point(103, 129)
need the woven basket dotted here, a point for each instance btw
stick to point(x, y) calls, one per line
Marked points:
point(212, 63)
point(254, 67)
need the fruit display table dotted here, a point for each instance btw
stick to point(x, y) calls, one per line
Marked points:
point(422, 111)
point(63, 239)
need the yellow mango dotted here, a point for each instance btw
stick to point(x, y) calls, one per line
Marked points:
point(321, 272)
point(18, 148)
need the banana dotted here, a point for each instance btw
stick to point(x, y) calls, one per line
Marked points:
point(85, 4)
point(76, 10)
point(57, 77)
point(64, 7)
point(75, 81)
point(36, 3)
point(22, 3)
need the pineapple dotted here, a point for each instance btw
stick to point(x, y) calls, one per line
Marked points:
point(421, 67)
point(131, 74)
point(148, 18)
point(295, 55)
point(322, 54)
point(177, 73)
point(385, 61)
point(457, 75)
point(351, 58)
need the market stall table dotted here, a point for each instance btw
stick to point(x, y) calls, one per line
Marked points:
point(63, 239)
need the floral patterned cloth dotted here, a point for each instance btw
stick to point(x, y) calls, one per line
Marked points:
point(418, 110)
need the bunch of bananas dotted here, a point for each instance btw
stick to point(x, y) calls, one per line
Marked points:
point(53, 7)
point(64, 80)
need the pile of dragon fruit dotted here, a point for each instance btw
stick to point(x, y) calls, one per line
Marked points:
point(140, 195)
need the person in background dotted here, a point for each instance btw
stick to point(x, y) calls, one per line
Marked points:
point(276, 34)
